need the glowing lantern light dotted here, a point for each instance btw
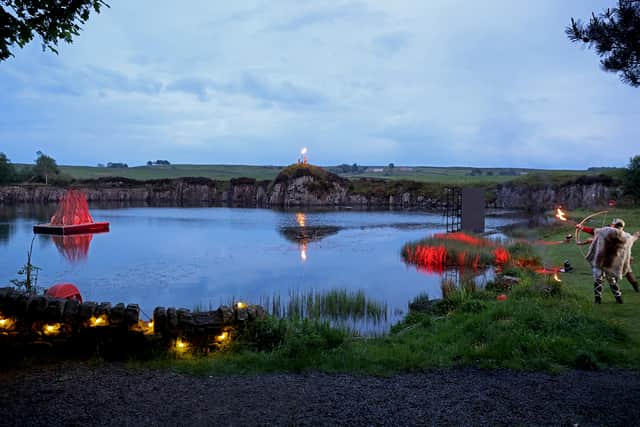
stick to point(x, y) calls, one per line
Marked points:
point(181, 346)
point(560, 214)
point(98, 321)
point(5, 324)
point(145, 327)
point(51, 329)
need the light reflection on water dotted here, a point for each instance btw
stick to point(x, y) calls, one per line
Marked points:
point(185, 257)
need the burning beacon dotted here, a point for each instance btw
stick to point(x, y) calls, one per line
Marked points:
point(303, 156)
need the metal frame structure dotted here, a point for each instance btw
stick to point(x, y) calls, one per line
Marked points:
point(452, 197)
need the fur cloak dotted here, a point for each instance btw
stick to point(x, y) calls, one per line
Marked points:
point(610, 250)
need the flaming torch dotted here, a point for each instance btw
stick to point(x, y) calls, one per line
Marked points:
point(560, 214)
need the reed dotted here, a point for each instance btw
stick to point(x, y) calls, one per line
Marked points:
point(338, 305)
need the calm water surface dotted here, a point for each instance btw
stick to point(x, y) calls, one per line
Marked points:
point(188, 257)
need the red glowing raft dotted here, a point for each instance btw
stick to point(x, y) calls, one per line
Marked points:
point(72, 217)
point(64, 230)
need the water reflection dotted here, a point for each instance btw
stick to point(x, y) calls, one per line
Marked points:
point(74, 248)
point(6, 231)
point(303, 234)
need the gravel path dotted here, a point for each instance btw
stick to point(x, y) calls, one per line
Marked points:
point(111, 394)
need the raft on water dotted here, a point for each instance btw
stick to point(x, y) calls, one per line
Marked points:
point(63, 230)
point(72, 217)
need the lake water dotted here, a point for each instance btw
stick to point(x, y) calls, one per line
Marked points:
point(205, 257)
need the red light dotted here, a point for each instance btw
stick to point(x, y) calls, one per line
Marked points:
point(502, 256)
point(72, 209)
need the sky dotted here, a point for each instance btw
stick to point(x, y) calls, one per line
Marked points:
point(491, 83)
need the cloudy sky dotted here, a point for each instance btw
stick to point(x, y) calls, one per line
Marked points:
point(429, 82)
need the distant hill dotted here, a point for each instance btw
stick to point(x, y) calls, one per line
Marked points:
point(457, 175)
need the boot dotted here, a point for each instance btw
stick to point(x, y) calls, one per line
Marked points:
point(619, 300)
point(633, 281)
point(597, 300)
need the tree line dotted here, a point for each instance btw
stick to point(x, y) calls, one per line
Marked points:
point(44, 169)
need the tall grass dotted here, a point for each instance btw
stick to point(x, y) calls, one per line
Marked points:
point(334, 305)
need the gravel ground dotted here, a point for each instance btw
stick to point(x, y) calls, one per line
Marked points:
point(111, 394)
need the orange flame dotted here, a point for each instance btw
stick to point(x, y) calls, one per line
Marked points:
point(561, 215)
point(556, 278)
point(300, 219)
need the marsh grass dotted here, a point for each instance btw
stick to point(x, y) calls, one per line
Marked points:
point(338, 305)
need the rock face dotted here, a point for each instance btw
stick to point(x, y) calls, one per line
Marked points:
point(302, 187)
point(305, 191)
point(571, 196)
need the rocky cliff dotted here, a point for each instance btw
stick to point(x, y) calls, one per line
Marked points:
point(585, 192)
point(311, 186)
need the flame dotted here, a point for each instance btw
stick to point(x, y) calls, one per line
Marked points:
point(51, 329)
point(98, 321)
point(303, 151)
point(241, 304)
point(560, 214)
point(301, 219)
point(303, 252)
point(556, 278)
point(222, 337)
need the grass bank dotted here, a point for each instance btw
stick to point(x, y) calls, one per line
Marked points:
point(541, 325)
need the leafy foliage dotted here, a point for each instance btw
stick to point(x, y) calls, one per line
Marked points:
point(7, 171)
point(632, 178)
point(52, 20)
point(45, 167)
point(615, 35)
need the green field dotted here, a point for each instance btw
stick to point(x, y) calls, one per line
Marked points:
point(142, 173)
point(442, 175)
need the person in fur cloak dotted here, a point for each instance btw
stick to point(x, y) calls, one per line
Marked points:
point(610, 257)
point(629, 275)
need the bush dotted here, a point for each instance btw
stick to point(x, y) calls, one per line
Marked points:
point(631, 179)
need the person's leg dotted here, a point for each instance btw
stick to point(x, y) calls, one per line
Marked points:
point(634, 282)
point(598, 279)
point(613, 284)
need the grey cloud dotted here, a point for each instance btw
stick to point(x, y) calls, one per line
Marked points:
point(60, 80)
point(105, 78)
point(267, 92)
point(322, 16)
point(281, 93)
point(193, 85)
point(390, 43)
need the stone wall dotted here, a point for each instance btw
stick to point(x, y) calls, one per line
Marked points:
point(26, 318)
